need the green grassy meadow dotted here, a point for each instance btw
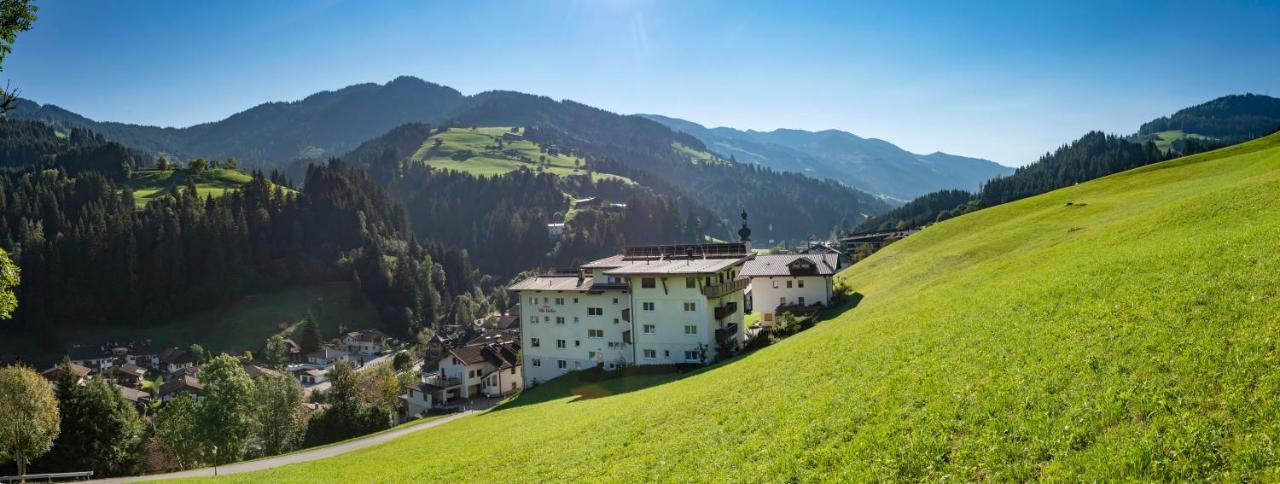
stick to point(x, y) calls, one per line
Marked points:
point(1122, 329)
point(1165, 139)
point(148, 185)
point(487, 162)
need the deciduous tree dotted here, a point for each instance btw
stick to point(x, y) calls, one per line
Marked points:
point(226, 414)
point(28, 416)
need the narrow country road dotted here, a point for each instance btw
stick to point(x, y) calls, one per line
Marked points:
point(477, 406)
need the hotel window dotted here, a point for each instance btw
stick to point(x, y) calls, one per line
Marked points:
point(650, 354)
point(575, 320)
point(544, 300)
point(775, 284)
point(800, 283)
point(537, 362)
point(595, 333)
point(534, 342)
point(559, 319)
point(559, 301)
point(692, 356)
point(577, 364)
point(647, 306)
point(788, 284)
point(690, 306)
point(690, 282)
point(782, 300)
point(533, 301)
point(591, 355)
point(561, 344)
point(546, 319)
point(615, 300)
point(577, 342)
point(615, 320)
point(690, 329)
point(575, 300)
point(650, 329)
point(533, 319)
point(562, 364)
point(648, 283)
point(595, 311)
point(801, 300)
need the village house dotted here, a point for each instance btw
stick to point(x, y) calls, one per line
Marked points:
point(80, 371)
point(417, 400)
point(312, 376)
point(555, 230)
point(648, 305)
point(255, 371)
point(364, 343)
point(327, 356)
point(181, 384)
point(173, 360)
point(141, 400)
point(485, 369)
point(128, 374)
point(790, 282)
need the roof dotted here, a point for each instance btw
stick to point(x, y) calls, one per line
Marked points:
point(500, 355)
point(314, 372)
point(371, 335)
point(607, 262)
point(676, 266)
point(80, 371)
point(554, 282)
point(130, 369)
point(181, 383)
point(783, 265)
point(132, 394)
point(175, 356)
point(256, 371)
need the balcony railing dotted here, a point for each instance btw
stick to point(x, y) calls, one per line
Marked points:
point(438, 379)
point(726, 332)
point(726, 310)
point(718, 290)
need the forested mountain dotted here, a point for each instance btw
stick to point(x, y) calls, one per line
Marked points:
point(322, 124)
point(872, 165)
point(1228, 119)
point(80, 232)
point(289, 136)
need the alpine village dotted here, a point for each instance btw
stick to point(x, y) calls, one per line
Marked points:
point(250, 277)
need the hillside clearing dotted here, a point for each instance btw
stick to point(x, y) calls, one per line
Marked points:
point(1120, 329)
point(474, 151)
point(148, 185)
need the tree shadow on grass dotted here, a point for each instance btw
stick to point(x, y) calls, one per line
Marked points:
point(577, 389)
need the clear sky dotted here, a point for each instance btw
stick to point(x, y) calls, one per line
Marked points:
point(1001, 80)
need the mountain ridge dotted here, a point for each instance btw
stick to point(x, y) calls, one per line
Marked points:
point(869, 164)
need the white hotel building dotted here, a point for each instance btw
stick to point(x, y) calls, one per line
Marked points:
point(648, 305)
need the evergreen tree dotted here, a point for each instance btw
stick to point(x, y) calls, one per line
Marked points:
point(309, 341)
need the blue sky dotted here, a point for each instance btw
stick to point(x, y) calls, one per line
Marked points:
point(1002, 80)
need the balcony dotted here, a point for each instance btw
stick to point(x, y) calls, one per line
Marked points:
point(726, 310)
point(719, 290)
point(727, 332)
point(438, 379)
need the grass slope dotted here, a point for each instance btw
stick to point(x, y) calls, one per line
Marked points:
point(482, 161)
point(1165, 139)
point(1133, 334)
point(150, 185)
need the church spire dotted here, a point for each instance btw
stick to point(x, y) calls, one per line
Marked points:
point(745, 232)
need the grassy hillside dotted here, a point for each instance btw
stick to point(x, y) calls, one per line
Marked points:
point(1166, 139)
point(149, 185)
point(475, 151)
point(1124, 328)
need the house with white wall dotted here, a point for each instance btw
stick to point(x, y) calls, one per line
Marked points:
point(487, 369)
point(790, 281)
point(649, 305)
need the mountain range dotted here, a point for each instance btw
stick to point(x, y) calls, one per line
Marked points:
point(868, 164)
point(331, 123)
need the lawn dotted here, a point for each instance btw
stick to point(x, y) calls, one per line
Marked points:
point(1164, 139)
point(487, 161)
point(1122, 329)
point(150, 185)
point(244, 324)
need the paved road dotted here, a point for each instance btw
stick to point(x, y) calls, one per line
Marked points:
point(477, 406)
